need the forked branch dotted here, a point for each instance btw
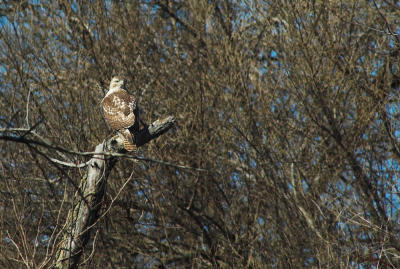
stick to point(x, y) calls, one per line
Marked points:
point(87, 200)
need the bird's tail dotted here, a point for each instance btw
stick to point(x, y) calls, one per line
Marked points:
point(127, 139)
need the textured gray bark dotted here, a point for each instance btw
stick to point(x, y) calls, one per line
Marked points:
point(88, 198)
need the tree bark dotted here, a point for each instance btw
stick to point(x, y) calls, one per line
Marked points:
point(82, 218)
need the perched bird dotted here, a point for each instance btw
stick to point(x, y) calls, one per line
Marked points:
point(121, 112)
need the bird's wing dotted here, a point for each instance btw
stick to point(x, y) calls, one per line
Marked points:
point(118, 109)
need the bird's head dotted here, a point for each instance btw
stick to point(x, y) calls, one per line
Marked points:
point(116, 83)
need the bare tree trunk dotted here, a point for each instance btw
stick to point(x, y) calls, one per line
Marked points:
point(85, 214)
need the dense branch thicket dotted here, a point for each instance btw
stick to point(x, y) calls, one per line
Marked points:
point(291, 108)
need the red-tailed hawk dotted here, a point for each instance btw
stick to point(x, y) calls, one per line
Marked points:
point(121, 112)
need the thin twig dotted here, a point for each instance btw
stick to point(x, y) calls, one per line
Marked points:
point(81, 165)
point(27, 109)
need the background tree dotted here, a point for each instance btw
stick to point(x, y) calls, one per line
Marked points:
point(290, 107)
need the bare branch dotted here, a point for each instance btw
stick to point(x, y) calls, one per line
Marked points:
point(86, 212)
